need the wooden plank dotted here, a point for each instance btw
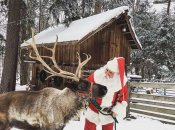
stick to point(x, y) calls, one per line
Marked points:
point(153, 109)
point(63, 54)
point(152, 85)
point(70, 54)
point(168, 104)
point(153, 97)
point(154, 115)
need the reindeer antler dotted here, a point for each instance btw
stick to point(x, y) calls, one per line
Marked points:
point(48, 69)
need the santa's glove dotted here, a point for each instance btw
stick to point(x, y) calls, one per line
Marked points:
point(120, 109)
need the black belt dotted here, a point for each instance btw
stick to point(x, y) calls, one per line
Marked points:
point(106, 109)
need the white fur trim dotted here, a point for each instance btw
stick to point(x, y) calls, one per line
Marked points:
point(107, 99)
point(98, 118)
point(120, 109)
point(92, 116)
point(100, 78)
point(125, 79)
point(105, 119)
point(113, 65)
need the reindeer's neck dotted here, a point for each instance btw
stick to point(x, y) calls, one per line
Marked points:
point(71, 104)
point(57, 106)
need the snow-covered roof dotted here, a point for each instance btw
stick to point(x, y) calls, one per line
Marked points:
point(77, 29)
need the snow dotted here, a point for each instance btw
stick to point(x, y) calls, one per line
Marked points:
point(21, 88)
point(141, 123)
point(134, 76)
point(160, 7)
point(77, 29)
point(76, 32)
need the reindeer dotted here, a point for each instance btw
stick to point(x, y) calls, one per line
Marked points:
point(49, 108)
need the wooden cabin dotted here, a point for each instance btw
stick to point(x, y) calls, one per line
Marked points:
point(103, 36)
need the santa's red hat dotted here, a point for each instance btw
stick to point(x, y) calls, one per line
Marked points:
point(117, 65)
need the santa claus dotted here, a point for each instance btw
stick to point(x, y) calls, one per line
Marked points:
point(113, 104)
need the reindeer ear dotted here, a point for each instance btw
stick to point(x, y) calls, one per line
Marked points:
point(84, 85)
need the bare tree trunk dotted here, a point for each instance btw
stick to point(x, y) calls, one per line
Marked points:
point(83, 8)
point(168, 8)
point(8, 80)
point(40, 15)
point(98, 5)
point(23, 66)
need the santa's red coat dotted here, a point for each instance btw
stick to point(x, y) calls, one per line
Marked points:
point(113, 85)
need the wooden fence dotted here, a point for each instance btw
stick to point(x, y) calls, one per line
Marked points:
point(155, 105)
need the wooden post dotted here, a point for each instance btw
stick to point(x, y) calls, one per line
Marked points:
point(129, 94)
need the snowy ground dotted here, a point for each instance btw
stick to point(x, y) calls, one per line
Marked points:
point(140, 123)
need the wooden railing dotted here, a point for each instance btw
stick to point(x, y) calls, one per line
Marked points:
point(155, 105)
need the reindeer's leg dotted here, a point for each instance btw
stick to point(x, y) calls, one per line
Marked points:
point(61, 127)
point(3, 122)
point(4, 126)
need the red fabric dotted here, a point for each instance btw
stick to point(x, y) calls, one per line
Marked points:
point(93, 108)
point(91, 126)
point(123, 94)
point(98, 100)
point(114, 98)
point(91, 78)
point(121, 67)
point(124, 90)
point(107, 126)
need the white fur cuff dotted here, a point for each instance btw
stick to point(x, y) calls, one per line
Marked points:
point(120, 108)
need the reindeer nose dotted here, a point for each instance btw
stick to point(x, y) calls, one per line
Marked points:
point(103, 90)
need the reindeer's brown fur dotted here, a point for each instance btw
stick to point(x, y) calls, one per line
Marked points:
point(47, 109)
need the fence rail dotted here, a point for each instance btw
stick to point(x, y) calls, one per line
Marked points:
point(1, 65)
point(154, 105)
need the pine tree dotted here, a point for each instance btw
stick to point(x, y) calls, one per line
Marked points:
point(68, 9)
point(156, 34)
point(146, 26)
point(8, 81)
point(164, 48)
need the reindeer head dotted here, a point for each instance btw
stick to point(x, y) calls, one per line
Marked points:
point(76, 83)
point(86, 89)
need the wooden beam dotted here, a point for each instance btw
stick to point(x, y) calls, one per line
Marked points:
point(152, 97)
point(131, 40)
point(122, 24)
point(152, 85)
point(126, 33)
point(168, 104)
point(155, 115)
point(153, 109)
